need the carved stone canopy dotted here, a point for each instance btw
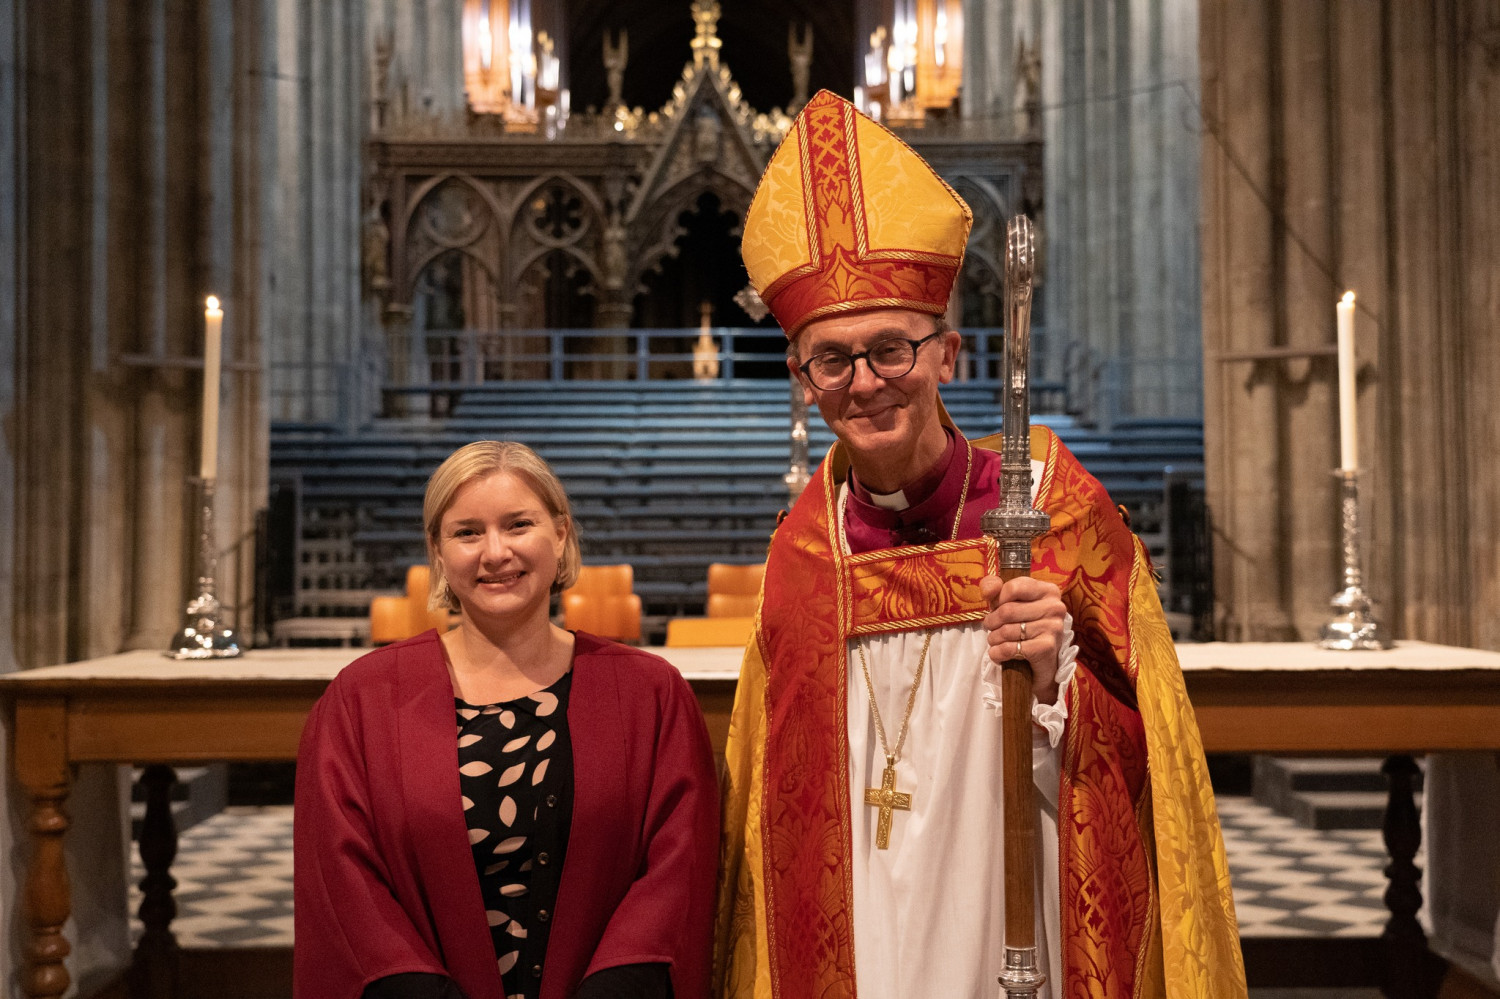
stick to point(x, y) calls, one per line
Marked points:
point(489, 227)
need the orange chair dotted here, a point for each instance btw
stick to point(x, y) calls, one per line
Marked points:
point(604, 580)
point(393, 619)
point(601, 601)
point(733, 590)
point(699, 632)
point(390, 621)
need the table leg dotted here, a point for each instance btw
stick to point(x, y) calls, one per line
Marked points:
point(43, 771)
point(1411, 969)
point(154, 972)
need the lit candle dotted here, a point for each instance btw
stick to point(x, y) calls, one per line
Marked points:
point(1348, 449)
point(213, 332)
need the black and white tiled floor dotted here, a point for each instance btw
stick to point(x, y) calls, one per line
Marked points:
point(1293, 881)
point(234, 875)
point(234, 880)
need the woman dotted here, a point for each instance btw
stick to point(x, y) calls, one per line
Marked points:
point(563, 843)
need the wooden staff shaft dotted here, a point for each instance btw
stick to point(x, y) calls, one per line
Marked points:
point(1019, 798)
point(1013, 526)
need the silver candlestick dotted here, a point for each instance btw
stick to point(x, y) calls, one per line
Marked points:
point(1353, 625)
point(797, 475)
point(201, 636)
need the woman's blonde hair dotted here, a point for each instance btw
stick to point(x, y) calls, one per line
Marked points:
point(481, 460)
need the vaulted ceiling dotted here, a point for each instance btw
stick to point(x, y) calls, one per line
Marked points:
point(755, 47)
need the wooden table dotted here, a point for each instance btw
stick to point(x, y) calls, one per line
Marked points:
point(1299, 699)
point(142, 708)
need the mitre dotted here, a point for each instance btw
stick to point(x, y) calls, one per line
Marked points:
point(849, 217)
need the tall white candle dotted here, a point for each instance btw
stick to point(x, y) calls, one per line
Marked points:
point(1348, 440)
point(213, 332)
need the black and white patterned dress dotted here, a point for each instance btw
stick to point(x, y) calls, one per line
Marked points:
point(516, 776)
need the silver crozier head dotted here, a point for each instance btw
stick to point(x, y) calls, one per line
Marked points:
point(1020, 268)
point(1015, 522)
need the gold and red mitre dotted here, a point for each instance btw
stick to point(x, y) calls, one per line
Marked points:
point(849, 217)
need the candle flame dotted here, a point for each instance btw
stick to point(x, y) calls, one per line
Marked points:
point(1348, 298)
point(213, 303)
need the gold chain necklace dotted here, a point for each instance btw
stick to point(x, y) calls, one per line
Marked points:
point(886, 797)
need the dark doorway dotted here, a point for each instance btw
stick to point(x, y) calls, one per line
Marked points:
point(706, 269)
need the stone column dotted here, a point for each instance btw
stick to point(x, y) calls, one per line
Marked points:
point(1442, 308)
point(313, 238)
point(237, 200)
point(291, 365)
point(251, 285)
point(163, 310)
point(1119, 97)
point(1251, 586)
point(12, 91)
point(992, 29)
point(427, 70)
point(72, 423)
point(446, 60)
point(1476, 272)
point(1352, 145)
point(55, 223)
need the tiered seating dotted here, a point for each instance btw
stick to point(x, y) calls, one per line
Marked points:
point(668, 476)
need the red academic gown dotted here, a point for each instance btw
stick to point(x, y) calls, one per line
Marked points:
point(385, 882)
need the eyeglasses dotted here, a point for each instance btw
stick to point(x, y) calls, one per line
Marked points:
point(890, 358)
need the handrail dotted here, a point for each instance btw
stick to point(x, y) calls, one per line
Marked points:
point(441, 361)
point(469, 357)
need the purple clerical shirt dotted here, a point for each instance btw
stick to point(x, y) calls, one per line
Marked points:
point(927, 503)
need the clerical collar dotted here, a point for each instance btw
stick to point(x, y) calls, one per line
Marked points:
point(873, 521)
point(890, 501)
point(913, 492)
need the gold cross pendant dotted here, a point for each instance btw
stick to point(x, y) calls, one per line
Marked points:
point(886, 797)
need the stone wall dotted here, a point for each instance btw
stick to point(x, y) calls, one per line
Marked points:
point(1117, 109)
point(315, 323)
point(1120, 124)
point(992, 29)
point(11, 810)
point(135, 137)
point(425, 84)
point(1353, 145)
point(153, 153)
